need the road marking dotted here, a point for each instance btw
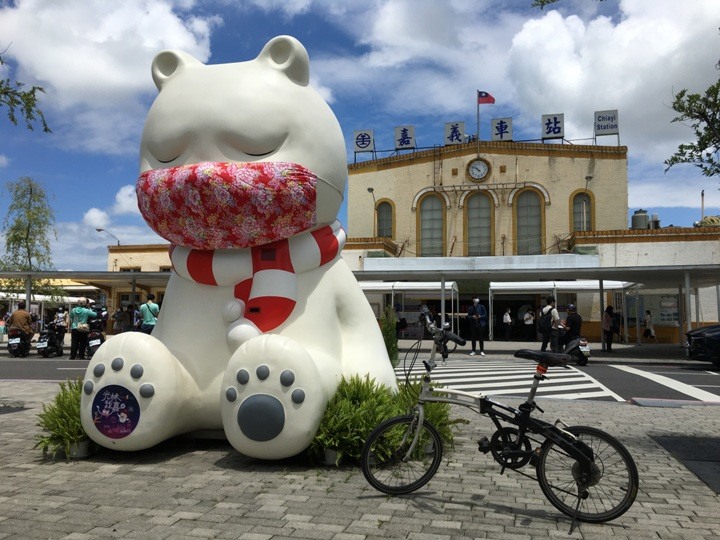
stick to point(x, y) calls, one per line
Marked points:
point(683, 388)
point(511, 378)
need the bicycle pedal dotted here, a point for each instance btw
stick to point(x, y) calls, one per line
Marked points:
point(484, 445)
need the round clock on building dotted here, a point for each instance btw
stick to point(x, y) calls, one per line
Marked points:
point(478, 170)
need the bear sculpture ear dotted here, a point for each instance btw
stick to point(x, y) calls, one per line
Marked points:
point(168, 63)
point(287, 54)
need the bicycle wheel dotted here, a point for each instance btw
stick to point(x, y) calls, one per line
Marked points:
point(613, 484)
point(385, 461)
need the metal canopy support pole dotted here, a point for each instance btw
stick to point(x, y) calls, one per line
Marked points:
point(442, 300)
point(637, 314)
point(697, 307)
point(680, 315)
point(602, 314)
point(688, 302)
point(624, 312)
point(28, 291)
point(489, 314)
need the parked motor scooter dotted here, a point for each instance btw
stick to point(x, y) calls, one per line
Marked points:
point(95, 336)
point(18, 343)
point(51, 340)
point(578, 348)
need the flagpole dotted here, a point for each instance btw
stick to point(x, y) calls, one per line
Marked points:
point(477, 132)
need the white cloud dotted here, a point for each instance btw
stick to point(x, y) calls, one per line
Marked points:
point(93, 59)
point(4, 160)
point(96, 218)
point(126, 201)
point(79, 246)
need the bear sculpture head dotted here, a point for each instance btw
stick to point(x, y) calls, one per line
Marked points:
point(239, 155)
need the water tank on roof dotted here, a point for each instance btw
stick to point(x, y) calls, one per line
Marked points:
point(640, 219)
point(655, 221)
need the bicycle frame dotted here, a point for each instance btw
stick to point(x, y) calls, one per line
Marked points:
point(496, 411)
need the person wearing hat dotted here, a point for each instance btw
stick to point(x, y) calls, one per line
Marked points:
point(149, 311)
point(573, 325)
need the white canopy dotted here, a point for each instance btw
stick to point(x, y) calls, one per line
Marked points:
point(563, 286)
point(427, 289)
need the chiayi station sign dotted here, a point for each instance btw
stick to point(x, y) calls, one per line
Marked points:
point(606, 123)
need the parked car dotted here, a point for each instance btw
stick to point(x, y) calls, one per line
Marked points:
point(704, 344)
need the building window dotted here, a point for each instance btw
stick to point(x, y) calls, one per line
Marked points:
point(582, 212)
point(479, 225)
point(528, 224)
point(384, 220)
point(432, 226)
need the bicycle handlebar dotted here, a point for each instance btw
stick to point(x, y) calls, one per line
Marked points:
point(439, 334)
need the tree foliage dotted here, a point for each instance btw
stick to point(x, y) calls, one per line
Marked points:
point(28, 222)
point(701, 113)
point(21, 102)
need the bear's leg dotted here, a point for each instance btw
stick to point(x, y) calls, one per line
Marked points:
point(273, 397)
point(135, 393)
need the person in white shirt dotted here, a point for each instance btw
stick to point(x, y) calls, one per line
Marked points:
point(507, 323)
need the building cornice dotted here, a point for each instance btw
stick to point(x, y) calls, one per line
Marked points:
point(490, 148)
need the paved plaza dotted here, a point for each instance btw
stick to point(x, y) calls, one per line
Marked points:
point(195, 488)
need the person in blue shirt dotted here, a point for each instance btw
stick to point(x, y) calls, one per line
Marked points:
point(149, 311)
point(79, 316)
point(477, 317)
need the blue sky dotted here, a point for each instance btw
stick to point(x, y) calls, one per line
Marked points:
point(379, 63)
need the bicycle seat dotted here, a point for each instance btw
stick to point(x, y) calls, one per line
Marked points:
point(548, 359)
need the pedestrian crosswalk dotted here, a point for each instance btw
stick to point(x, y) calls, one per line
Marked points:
point(511, 377)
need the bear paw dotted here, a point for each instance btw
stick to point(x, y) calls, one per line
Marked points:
point(132, 395)
point(273, 398)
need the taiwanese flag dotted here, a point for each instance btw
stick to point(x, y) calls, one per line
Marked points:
point(484, 97)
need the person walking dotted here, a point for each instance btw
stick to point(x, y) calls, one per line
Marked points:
point(149, 311)
point(548, 325)
point(607, 328)
point(477, 317)
point(79, 316)
point(649, 328)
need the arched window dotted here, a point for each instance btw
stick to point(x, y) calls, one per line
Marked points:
point(432, 226)
point(582, 212)
point(479, 225)
point(528, 223)
point(384, 220)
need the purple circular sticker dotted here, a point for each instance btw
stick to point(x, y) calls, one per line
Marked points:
point(116, 411)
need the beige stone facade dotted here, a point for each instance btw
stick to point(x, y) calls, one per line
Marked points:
point(554, 174)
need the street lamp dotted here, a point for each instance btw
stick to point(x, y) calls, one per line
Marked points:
point(111, 234)
point(371, 191)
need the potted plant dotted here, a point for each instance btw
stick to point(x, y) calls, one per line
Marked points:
point(62, 431)
point(359, 405)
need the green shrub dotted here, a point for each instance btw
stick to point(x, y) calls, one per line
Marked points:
point(358, 406)
point(388, 326)
point(60, 421)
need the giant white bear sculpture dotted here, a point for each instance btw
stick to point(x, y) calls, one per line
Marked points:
point(243, 169)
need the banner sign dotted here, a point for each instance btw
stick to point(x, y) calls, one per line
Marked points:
point(501, 129)
point(405, 138)
point(454, 133)
point(364, 141)
point(553, 126)
point(606, 123)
